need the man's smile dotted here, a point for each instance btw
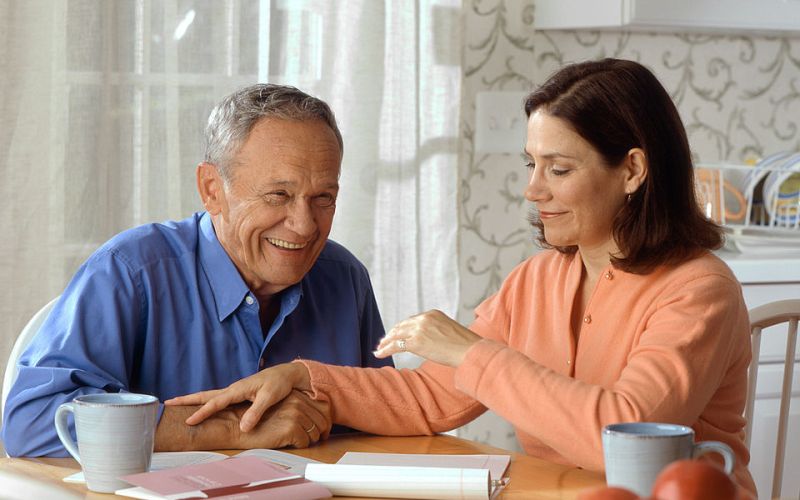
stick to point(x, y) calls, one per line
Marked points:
point(286, 244)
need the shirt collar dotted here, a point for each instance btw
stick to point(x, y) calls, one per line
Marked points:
point(227, 285)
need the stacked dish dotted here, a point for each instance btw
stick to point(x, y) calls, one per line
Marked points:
point(759, 205)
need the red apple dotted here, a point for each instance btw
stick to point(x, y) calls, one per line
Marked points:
point(694, 480)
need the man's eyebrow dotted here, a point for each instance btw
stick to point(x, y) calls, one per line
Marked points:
point(279, 183)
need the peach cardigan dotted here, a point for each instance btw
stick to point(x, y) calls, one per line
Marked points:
point(669, 346)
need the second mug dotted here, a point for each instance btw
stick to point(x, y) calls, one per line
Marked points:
point(636, 452)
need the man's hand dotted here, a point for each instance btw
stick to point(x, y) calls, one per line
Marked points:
point(263, 389)
point(297, 421)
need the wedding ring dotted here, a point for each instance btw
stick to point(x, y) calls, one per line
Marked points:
point(401, 344)
point(313, 426)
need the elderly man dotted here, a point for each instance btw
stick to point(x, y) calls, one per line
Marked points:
point(179, 307)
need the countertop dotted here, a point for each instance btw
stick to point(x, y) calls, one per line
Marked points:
point(778, 267)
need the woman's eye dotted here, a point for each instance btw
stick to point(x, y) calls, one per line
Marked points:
point(530, 165)
point(559, 171)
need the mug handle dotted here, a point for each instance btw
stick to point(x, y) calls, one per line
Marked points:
point(62, 429)
point(723, 449)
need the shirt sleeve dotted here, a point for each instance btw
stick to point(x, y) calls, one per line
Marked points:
point(86, 345)
point(682, 357)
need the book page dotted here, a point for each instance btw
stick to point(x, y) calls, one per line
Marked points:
point(293, 463)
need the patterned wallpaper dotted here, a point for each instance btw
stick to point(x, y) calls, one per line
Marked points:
point(739, 97)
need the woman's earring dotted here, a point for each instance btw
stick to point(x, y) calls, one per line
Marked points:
point(629, 197)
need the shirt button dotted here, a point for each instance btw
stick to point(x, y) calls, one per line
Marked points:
point(569, 362)
point(249, 300)
point(587, 319)
point(609, 275)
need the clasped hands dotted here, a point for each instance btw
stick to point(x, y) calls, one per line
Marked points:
point(432, 335)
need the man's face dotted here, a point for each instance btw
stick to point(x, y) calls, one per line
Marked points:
point(276, 210)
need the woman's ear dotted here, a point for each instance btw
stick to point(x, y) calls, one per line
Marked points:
point(211, 187)
point(636, 166)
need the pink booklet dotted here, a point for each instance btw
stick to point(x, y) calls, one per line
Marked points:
point(245, 477)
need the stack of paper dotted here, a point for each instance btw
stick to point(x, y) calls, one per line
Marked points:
point(388, 475)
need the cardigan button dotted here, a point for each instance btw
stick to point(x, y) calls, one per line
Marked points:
point(587, 319)
point(609, 275)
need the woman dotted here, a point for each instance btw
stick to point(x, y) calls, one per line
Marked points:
point(627, 316)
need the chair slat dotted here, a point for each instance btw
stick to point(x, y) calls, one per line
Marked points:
point(765, 316)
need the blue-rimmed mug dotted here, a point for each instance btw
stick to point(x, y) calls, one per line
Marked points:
point(636, 452)
point(115, 432)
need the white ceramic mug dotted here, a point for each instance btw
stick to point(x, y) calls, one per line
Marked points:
point(115, 436)
point(635, 453)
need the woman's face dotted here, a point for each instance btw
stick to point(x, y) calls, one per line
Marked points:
point(575, 193)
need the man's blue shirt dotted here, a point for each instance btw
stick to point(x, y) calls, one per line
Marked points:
point(161, 309)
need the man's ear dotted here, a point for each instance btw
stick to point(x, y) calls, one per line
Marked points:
point(211, 187)
point(636, 167)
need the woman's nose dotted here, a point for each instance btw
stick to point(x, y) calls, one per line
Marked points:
point(536, 189)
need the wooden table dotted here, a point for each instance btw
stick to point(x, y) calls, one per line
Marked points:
point(531, 478)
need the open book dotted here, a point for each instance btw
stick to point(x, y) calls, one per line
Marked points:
point(291, 466)
point(170, 459)
point(389, 475)
point(237, 477)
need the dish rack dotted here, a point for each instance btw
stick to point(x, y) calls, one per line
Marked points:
point(758, 205)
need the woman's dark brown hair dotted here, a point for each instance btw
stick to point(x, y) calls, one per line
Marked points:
point(618, 105)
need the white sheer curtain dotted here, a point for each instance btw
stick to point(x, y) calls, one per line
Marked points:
point(391, 71)
point(102, 105)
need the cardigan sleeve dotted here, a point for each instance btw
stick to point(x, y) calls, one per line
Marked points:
point(396, 402)
point(393, 402)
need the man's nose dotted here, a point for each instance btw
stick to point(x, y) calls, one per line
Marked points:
point(300, 218)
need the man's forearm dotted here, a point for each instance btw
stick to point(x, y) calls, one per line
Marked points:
point(217, 433)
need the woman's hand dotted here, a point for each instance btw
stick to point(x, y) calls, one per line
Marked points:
point(264, 389)
point(432, 335)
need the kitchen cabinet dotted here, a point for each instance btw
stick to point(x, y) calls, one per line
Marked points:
point(767, 16)
point(767, 278)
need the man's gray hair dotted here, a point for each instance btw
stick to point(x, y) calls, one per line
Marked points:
point(231, 121)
